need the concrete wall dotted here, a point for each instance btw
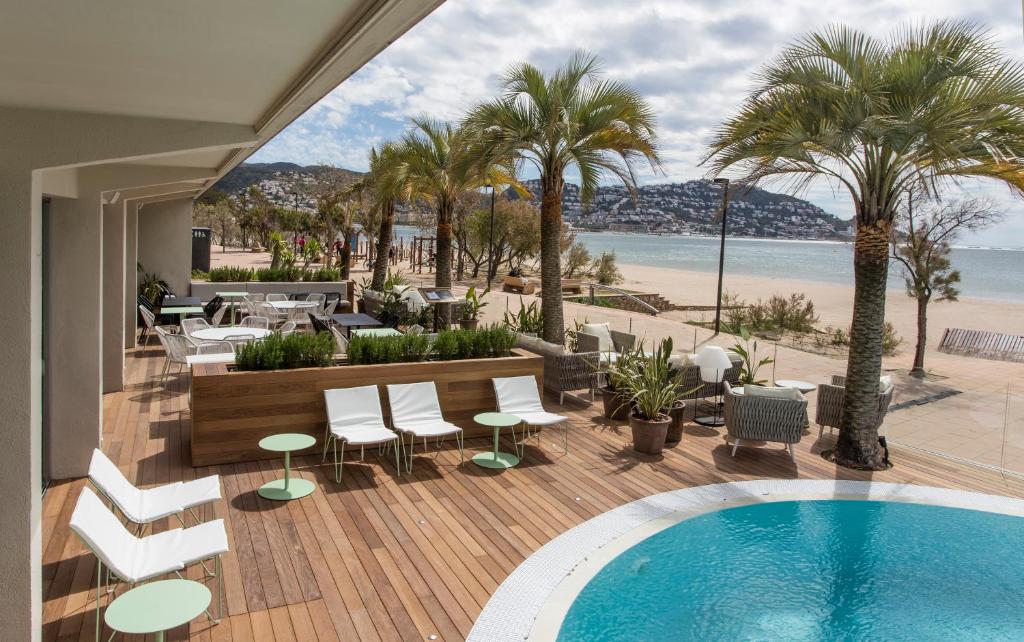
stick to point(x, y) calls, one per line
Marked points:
point(131, 276)
point(74, 370)
point(113, 317)
point(165, 242)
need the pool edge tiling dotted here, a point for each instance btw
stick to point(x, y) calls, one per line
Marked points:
point(514, 608)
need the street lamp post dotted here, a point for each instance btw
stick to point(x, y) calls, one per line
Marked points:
point(724, 182)
point(490, 242)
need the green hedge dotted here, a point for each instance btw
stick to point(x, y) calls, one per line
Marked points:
point(493, 341)
point(284, 353)
point(234, 273)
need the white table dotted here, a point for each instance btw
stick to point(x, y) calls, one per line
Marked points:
point(220, 334)
point(802, 386)
point(291, 305)
point(197, 359)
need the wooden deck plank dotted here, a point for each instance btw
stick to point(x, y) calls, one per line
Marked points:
point(380, 558)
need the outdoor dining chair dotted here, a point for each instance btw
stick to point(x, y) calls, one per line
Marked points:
point(273, 315)
point(276, 297)
point(145, 506)
point(320, 300)
point(354, 418)
point(215, 347)
point(520, 396)
point(262, 323)
point(288, 327)
point(340, 341)
point(134, 560)
point(188, 326)
point(416, 411)
point(177, 347)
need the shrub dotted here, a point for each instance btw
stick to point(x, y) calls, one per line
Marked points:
point(501, 339)
point(605, 270)
point(794, 313)
point(200, 275)
point(446, 346)
point(529, 318)
point(230, 273)
point(285, 353)
point(837, 337)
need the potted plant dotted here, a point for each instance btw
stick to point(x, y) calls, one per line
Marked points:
point(651, 389)
point(750, 364)
point(676, 409)
point(614, 394)
point(471, 310)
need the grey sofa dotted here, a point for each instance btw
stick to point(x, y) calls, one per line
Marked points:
point(564, 371)
point(757, 418)
point(829, 410)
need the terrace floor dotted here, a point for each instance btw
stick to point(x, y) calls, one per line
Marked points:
point(380, 558)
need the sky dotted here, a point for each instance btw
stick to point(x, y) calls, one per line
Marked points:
point(692, 59)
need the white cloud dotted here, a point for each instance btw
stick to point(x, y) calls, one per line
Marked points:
point(692, 59)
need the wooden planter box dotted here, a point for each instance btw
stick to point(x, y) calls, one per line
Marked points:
point(232, 411)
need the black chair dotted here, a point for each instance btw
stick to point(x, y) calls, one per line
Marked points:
point(211, 308)
point(319, 325)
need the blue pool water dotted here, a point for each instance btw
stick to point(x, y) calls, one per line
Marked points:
point(813, 570)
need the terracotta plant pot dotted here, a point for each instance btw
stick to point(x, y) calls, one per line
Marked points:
point(468, 324)
point(616, 404)
point(675, 429)
point(649, 436)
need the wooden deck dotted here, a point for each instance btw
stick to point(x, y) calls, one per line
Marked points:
point(380, 558)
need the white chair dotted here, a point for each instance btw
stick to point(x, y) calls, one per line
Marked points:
point(320, 300)
point(288, 327)
point(215, 347)
point(133, 560)
point(340, 341)
point(149, 322)
point(145, 506)
point(329, 310)
point(416, 411)
point(299, 315)
point(177, 347)
point(354, 418)
point(276, 297)
point(188, 326)
point(262, 323)
point(519, 396)
point(269, 312)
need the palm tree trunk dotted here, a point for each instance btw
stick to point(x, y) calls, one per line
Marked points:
point(550, 261)
point(460, 269)
point(922, 335)
point(443, 256)
point(346, 253)
point(380, 262)
point(857, 446)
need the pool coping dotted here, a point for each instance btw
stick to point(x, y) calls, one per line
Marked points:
point(533, 600)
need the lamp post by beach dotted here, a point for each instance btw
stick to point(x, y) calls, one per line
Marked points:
point(724, 182)
point(490, 242)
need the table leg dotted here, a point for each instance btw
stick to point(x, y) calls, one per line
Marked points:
point(159, 636)
point(232, 312)
point(287, 465)
point(496, 431)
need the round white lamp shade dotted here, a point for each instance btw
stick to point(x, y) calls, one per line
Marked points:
point(713, 362)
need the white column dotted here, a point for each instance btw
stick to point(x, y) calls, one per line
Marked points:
point(74, 369)
point(112, 326)
point(165, 242)
point(131, 284)
point(20, 399)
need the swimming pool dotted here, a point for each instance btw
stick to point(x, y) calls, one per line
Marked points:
point(813, 570)
point(774, 559)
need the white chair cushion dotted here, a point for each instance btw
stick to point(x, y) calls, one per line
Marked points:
point(773, 392)
point(603, 333)
point(112, 483)
point(200, 491)
point(355, 415)
point(105, 535)
point(179, 547)
point(416, 409)
point(541, 418)
point(517, 395)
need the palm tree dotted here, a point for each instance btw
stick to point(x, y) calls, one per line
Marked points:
point(572, 119)
point(384, 185)
point(929, 105)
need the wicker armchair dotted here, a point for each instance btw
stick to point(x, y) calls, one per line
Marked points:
point(564, 371)
point(586, 342)
point(759, 418)
point(829, 411)
point(690, 379)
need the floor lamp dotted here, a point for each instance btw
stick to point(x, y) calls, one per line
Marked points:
point(713, 363)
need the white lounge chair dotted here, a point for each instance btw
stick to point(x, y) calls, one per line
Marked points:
point(145, 506)
point(416, 411)
point(519, 396)
point(133, 560)
point(354, 418)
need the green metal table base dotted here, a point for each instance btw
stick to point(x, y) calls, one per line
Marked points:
point(284, 489)
point(496, 459)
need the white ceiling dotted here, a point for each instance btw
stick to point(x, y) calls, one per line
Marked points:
point(213, 60)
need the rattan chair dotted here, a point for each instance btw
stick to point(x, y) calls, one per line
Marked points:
point(829, 410)
point(757, 418)
point(263, 323)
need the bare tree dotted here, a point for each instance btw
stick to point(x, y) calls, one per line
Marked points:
point(921, 243)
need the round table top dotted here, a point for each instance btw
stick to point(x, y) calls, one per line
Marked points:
point(496, 419)
point(157, 606)
point(219, 334)
point(802, 386)
point(291, 305)
point(286, 442)
point(232, 295)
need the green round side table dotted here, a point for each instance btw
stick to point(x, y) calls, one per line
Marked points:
point(287, 488)
point(157, 607)
point(496, 458)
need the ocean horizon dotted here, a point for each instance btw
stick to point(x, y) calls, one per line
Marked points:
point(985, 272)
